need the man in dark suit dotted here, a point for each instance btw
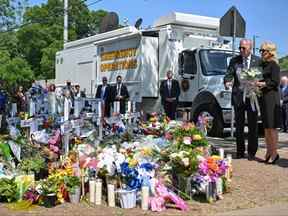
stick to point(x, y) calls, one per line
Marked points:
point(170, 91)
point(120, 93)
point(241, 105)
point(104, 93)
point(284, 99)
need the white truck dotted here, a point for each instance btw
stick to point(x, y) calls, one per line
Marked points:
point(184, 43)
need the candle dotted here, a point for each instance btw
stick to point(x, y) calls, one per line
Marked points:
point(31, 108)
point(66, 109)
point(228, 173)
point(92, 185)
point(219, 187)
point(116, 106)
point(229, 159)
point(221, 153)
point(111, 195)
point(99, 109)
point(98, 192)
point(144, 197)
point(129, 107)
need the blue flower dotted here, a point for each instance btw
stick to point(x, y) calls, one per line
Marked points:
point(134, 183)
point(147, 166)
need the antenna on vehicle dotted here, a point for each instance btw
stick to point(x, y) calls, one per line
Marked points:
point(109, 22)
point(138, 23)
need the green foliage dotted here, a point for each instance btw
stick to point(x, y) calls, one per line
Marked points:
point(48, 59)
point(48, 186)
point(71, 183)
point(283, 63)
point(14, 70)
point(35, 44)
point(5, 150)
point(8, 190)
point(32, 164)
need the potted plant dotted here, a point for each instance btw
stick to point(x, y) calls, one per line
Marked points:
point(8, 190)
point(48, 189)
point(34, 164)
point(72, 184)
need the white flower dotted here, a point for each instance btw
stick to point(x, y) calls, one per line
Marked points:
point(187, 140)
point(173, 155)
point(185, 161)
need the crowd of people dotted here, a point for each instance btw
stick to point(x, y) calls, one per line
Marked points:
point(273, 99)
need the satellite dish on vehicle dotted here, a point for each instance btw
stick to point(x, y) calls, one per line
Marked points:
point(138, 23)
point(109, 22)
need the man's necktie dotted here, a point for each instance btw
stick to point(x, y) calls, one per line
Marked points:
point(118, 90)
point(169, 87)
point(245, 62)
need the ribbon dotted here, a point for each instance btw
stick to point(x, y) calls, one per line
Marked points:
point(250, 92)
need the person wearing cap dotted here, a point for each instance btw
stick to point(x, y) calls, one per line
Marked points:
point(103, 92)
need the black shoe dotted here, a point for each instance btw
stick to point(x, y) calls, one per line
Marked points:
point(251, 157)
point(239, 156)
point(275, 159)
point(267, 159)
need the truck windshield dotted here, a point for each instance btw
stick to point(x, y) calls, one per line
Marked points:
point(215, 62)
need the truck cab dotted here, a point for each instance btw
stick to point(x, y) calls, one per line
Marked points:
point(200, 74)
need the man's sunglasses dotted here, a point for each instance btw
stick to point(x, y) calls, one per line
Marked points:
point(240, 48)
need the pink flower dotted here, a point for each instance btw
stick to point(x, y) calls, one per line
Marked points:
point(168, 136)
point(187, 140)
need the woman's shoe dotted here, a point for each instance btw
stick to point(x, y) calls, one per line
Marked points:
point(267, 159)
point(275, 159)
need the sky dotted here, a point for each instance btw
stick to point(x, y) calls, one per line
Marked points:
point(265, 19)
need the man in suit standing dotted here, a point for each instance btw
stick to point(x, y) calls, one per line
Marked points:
point(104, 93)
point(120, 93)
point(170, 91)
point(241, 105)
point(284, 105)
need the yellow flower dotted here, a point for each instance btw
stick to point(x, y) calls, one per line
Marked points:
point(197, 137)
point(216, 157)
point(146, 151)
point(133, 162)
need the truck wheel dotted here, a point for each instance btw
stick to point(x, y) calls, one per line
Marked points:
point(213, 117)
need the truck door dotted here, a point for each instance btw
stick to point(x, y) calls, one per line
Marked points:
point(188, 75)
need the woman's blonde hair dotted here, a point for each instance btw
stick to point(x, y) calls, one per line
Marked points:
point(272, 49)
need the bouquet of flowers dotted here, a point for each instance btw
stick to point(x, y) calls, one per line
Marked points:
point(251, 91)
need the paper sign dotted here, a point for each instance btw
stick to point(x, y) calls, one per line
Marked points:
point(77, 123)
point(16, 149)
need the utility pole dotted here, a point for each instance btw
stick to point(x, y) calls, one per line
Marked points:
point(65, 33)
point(254, 44)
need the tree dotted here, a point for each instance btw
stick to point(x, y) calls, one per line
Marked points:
point(14, 71)
point(283, 63)
point(48, 60)
point(95, 21)
point(42, 37)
